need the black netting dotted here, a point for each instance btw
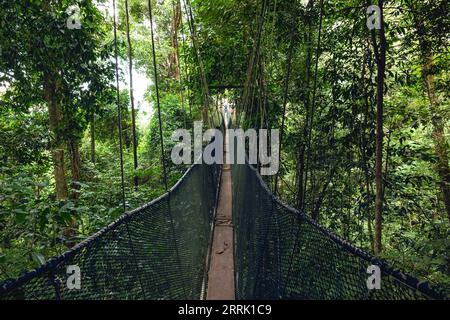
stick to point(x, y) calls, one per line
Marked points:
point(155, 252)
point(282, 254)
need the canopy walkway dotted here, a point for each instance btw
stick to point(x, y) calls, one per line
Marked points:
point(162, 251)
point(218, 233)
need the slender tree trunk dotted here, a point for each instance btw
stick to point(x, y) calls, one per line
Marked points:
point(174, 65)
point(312, 104)
point(301, 183)
point(70, 229)
point(364, 147)
point(60, 173)
point(429, 74)
point(368, 185)
point(133, 111)
point(321, 197)
point(440, 146)
point(381, 64)
point(75, 162)
point(51, 86)
point(300, 173)
point(386, 162)
point(93, 138)
point(285, 99)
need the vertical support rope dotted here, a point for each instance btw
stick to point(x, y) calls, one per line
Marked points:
point(175, 4)
point(158, 104)
point(155, 70)
point(285, 99)
point(244, 102)
point(254, 56)
point(119, 113)
point(203, 81)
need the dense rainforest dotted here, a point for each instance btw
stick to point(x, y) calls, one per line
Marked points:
point(363, 110)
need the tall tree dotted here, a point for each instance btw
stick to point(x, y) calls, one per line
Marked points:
point(51, 87)
point(427, 15)
point(380, 58)
point(60, 66)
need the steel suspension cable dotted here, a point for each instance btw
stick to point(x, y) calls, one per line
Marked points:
point(285, 99)
point(119, 115)
point(204, 83)
point(273, 205)
point(186, 69)
point(251, 77)
point(175, 5)
point(158, 104)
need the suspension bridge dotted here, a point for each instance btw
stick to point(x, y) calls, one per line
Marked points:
point(218, 233)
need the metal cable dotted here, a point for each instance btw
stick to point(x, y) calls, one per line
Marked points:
point(155, 70)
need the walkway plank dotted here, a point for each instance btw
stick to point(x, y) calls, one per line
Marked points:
point(221, 269)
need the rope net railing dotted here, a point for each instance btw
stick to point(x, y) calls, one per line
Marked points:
point(157, 251)
point(283, 254)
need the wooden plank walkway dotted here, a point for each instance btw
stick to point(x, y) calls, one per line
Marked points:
point(221, 268)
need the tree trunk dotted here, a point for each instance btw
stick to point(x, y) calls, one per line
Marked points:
point(312, 105)
point(429, 73)
point(93, 138)
point(60, 173)
point(300, 173)
point(364, 147)
point(51, 86)
point(317, 204)
point(368, 185)
point(174, 65)
point(301, 182)
point(75, 162)
point(381, 64)
point(133, 111)
point(440, 147)
point(205, 115)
